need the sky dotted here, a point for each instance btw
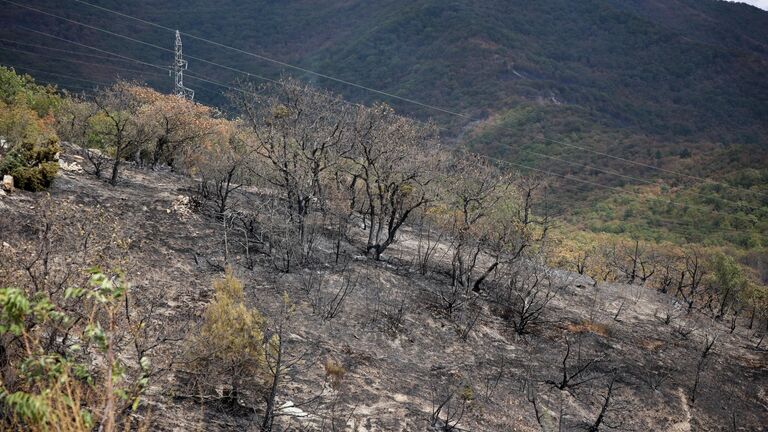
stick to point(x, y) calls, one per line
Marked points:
point(762, 4)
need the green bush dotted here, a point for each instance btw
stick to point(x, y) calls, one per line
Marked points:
point(33, 166)
point(229, 347)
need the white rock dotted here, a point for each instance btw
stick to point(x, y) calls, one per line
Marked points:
point(8, 183)
point(290, 409)
point(70, 167)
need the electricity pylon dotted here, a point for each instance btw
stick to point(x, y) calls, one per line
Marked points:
point(177, 69)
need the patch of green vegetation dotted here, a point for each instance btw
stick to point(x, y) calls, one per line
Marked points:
point(733, 213)
point(33, 166)
point(25, 125)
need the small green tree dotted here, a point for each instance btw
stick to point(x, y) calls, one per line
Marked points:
point(728, 281)
point(755, 296)
point(123, 131)
point(230, 344)
point(21, 89)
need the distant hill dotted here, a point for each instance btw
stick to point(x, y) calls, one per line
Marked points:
point(647, 80)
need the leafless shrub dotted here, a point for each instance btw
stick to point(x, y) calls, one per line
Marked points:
point(701, 364)
point(669, 313)
point(633, 262)
point(600, 421)
point(618, 311)
point(249, 235)
point(385, 309)
point(691, 277)
point(574, 376)
point(329, 305)
point(475, 191)
point(517, 230)
point(283, 246)
point(759, 342)
point(339, 416)
point(685, 328)
point(217, 189)
point(498, 369)
point(394, 311)
point(467, 317)
point(525, 296)
point(429, 239)
point(451, 298)
point(450, 400)
point(532, 396)
point(656, 378)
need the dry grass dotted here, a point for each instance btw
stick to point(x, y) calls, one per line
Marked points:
point(588, 327)
point(651, 344)
point(335, 371)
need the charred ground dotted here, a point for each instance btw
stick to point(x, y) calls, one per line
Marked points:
point(368, 344)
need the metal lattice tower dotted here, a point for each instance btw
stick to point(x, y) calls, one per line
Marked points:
point(177, 69)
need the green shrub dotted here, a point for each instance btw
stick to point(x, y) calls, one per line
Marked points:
point(33, 166)
point(229, 348)
point(66, 389)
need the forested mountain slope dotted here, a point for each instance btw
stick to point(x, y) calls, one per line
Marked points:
point(677, 85)
point(669, 69)
point(303, 264)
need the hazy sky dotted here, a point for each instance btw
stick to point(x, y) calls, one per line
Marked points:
point(762, 4)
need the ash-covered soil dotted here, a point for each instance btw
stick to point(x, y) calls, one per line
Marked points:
point(400, 351)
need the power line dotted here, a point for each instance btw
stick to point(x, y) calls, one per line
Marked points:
point(96, 83)
point(610, 172)
point(189, 75)
point(277, 82)
point(203, 79)
point(413, 101)
point(128, 58)
point(281, 63)
point(61, 75)
point(566, 177)
point(93, 64)
point(128, 38)
point(61, 50)
point(90, 47)
point(80, 61)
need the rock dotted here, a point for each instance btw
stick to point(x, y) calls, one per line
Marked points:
point(181, 205)
point(70, 167)
point(290, 409)
point(8, 183)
